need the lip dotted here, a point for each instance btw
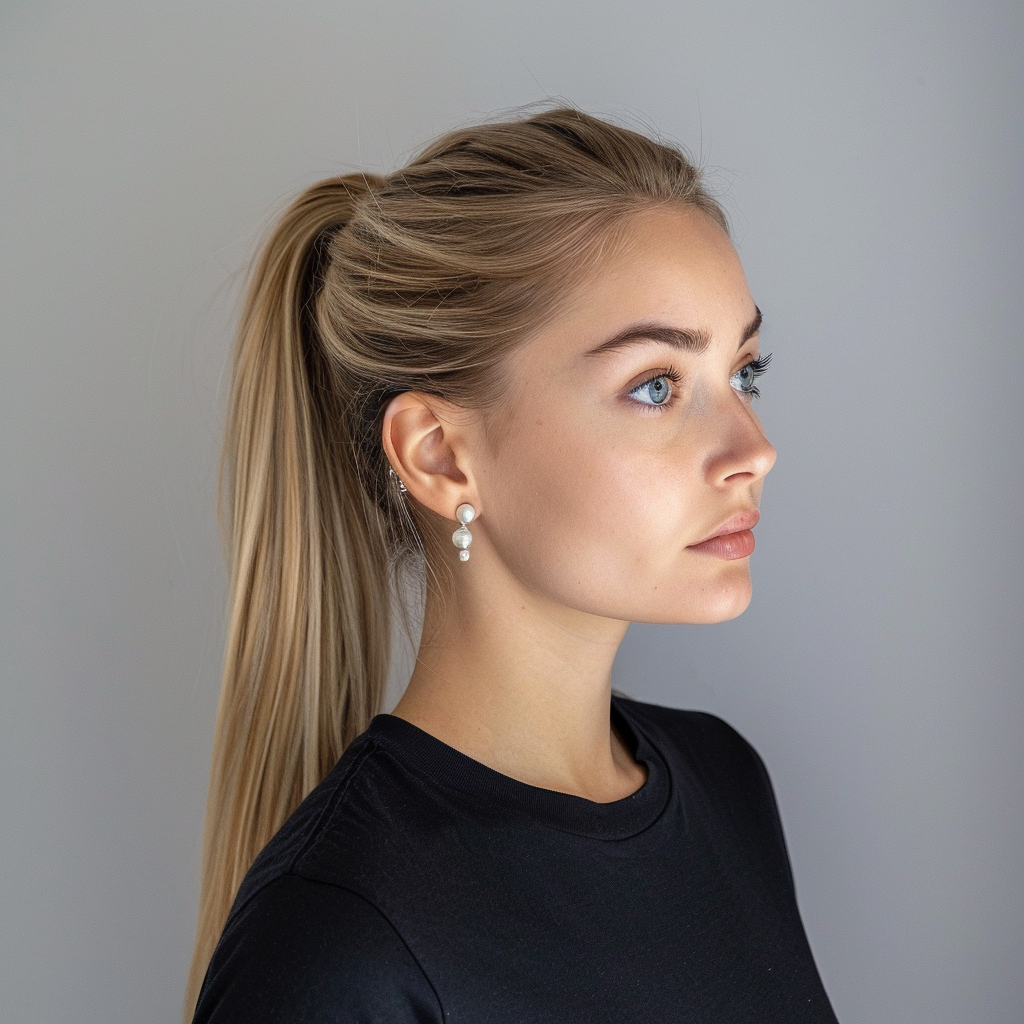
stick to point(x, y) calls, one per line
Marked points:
point(745, 520)
point(732, 539)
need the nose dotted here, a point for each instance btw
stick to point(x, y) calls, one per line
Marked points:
point(740, 453)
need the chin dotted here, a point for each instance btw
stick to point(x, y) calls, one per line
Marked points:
point(700, 605)
point(734, 612)
point(725, 601)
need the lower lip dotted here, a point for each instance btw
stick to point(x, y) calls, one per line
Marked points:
point(729, 545)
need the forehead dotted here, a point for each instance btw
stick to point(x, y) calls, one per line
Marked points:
point(672, 265)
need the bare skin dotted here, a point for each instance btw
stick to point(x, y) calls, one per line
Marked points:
point(588, 500)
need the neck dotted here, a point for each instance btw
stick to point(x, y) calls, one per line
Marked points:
point(523, 685)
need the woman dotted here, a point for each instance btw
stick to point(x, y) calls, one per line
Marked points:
point(537, 333)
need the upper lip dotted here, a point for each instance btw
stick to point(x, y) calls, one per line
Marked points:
point(745, 520)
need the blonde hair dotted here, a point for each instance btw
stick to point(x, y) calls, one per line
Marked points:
point(367, 287)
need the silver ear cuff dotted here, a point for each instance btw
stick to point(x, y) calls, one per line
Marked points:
point(395, 476)
point(462, 538)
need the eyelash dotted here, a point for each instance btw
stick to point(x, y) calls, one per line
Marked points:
point(757, 367)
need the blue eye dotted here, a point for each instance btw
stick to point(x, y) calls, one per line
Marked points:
point(743, 379)
point(658, 391)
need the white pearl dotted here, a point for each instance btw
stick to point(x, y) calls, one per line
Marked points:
point(462, 538)
point(465, 513)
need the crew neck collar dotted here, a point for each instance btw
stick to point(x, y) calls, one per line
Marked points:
point(446, 766)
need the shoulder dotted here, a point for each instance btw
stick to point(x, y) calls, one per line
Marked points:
point(306, 825)
point(299, 949)
point(716, 762)
point(709, 741)
point(306, 938)
point(344, 832)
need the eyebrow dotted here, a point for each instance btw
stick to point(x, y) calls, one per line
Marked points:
point(684, 338)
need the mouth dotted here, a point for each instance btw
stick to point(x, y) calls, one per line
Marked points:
point(733, 539)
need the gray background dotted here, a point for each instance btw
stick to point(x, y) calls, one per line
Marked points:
point(870, 156)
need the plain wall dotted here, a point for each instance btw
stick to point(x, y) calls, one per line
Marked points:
point(870, 156)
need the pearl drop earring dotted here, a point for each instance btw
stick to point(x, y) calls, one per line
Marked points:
point(462, 538)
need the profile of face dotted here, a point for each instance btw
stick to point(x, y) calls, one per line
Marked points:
point(629, 437)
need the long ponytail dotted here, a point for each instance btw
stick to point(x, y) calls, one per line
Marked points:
point(309, 625)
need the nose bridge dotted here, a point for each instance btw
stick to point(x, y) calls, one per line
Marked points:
point(741, 445)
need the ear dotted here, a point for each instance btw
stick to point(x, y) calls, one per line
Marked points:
point(427, 442)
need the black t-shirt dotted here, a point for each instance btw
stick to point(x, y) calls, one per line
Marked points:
point(417, 884)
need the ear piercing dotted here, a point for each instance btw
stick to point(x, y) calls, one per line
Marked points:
point(462, 538)
point(395, 476)
point(465, 513)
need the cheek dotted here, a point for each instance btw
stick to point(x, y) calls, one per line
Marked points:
point(582, 515)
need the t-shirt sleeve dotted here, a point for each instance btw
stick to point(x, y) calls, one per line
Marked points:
point(307, 952)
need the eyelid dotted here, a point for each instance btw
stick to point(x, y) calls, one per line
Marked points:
point(750, 358)
point(648, 375)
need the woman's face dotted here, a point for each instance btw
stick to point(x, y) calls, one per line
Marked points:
point(611, 462)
